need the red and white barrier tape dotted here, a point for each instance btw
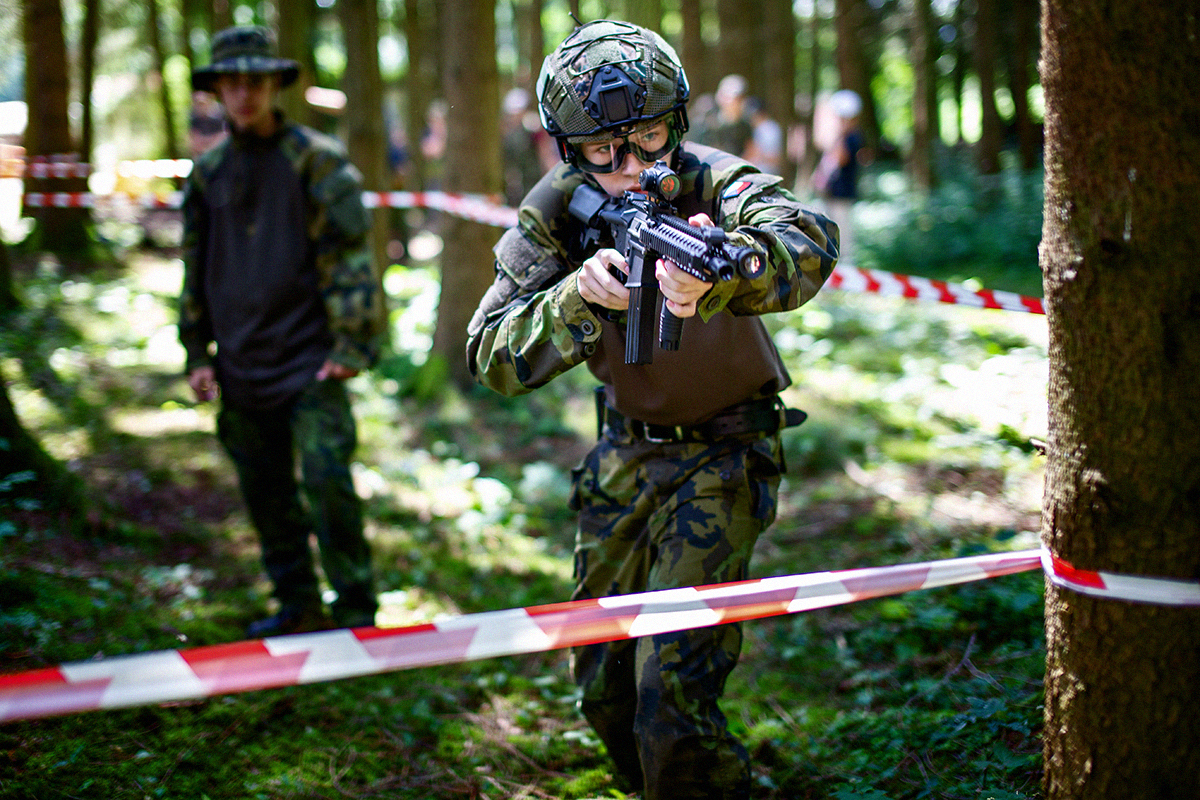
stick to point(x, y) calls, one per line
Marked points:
point(171, 200)
point(68, 166)
point(479, 208)
point(1113, 586)
point(56, 169)
point(174, 675)
point(859, 279)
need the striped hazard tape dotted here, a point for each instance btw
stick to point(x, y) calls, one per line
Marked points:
point(56, 169)
point(174, 675)
point(170, 200)
point(1112, 586)
point(859, 279)
point(480, 208)
point(477, 208)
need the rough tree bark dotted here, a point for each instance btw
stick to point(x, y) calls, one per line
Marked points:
point(48, 132)
point(471, 83)
point(366, 134)
point(1123, 473)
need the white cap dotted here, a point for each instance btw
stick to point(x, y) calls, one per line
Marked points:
point(845, 103)
point(731, 87)
point(516, 100)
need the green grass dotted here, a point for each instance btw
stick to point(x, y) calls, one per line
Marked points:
point(917, 448)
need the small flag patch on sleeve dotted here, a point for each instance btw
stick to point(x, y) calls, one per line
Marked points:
point(734, 189)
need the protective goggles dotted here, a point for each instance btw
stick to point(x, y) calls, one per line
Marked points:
point(648, 144)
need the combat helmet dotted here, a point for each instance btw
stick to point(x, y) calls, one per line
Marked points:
point(607, 79)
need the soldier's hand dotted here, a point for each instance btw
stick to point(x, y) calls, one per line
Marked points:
point(203, 381)
point(680, 289)
point(598, 285)
point(337, 372)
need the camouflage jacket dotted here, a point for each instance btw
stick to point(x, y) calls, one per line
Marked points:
point(533, 325)
point(277, 270)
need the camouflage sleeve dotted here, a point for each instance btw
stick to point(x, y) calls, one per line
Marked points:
point(349, 280)
point(195, 325)
point(532, 324)
point(801, 246)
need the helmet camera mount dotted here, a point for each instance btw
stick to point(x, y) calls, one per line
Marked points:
point(614, 98)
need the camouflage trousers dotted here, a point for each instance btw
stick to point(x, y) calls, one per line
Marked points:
point(662, 516)
point(263, 444)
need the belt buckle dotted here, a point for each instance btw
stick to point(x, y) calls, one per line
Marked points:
point(674, 435)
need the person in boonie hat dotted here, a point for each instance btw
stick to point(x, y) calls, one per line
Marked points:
point(281, 304)
point(246, 49)
point(245, 74)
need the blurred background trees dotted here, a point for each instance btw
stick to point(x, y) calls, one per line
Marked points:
point(932, 73)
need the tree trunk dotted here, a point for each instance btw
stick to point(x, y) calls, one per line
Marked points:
point(739, 50)
point(853, 64)
point(532, 42)
point(222, 14)
point(808, 159)
point(191, 16)
point(366, 135)
point(297, 36)
point(8, 294)
point(958, 76)
point(779, 60)
point(1123, 470)
point(647, 13)
point(54, 486)
point(153, 28)
point(925, 110)
point(419, 82)
point(987, 153)
point(87, 57)
point(471, 83)
point(1021, 55)
point(48, 131)
point(693, 52)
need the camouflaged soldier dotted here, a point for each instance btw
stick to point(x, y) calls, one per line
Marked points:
point(685, 474)
point(280, 305)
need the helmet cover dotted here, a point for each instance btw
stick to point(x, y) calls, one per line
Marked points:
point(606, 78)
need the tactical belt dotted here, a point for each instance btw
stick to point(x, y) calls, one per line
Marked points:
point(764, 416)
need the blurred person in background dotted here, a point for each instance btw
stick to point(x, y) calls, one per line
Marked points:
point(765, 150)
point(281, 304)
point(836, 175)
point(727, 125)
point(519, 146)
point(206, 123)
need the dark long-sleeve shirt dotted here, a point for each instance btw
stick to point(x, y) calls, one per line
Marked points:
point(277, 273)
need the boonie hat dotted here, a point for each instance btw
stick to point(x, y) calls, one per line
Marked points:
point(248, 49)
